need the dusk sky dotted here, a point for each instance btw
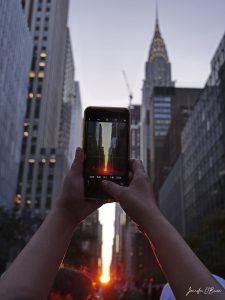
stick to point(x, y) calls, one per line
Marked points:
point(106, 138)
point(109, 36)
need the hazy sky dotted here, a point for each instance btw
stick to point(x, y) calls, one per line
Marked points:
point(109, 36)
point(106, 139)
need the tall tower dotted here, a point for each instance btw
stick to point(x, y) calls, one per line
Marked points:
point(157, 73)
point(47, 20)
point(15, 59)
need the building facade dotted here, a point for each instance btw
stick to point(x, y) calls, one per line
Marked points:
point(172, 107)
point(117, 268)
point(15, 60)
point(76, 122)
point(135, 115)
point(39, 164)
point(171, 197)
point(67, 98)
point(203, 148)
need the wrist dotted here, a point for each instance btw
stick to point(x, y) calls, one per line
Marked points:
point(151, 220)
point(66, 216)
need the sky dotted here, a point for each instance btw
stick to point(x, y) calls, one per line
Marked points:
point(109, 36)
point(106, 139)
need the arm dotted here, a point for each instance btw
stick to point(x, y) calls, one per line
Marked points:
point(178, 262)
point(32, 273)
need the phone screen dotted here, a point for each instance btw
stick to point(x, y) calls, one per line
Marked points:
point(106, 148)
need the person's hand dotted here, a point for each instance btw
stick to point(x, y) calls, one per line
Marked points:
point(138, 199)
point(72, 201)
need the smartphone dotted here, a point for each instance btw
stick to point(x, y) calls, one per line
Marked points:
point(106, 147)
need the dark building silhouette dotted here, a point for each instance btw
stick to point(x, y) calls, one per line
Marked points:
point(119, 144)
point(168, 148)
point(95, 152)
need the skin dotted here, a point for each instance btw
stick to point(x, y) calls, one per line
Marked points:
point(32, 273)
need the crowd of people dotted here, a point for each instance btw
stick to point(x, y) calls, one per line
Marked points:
point(134, 290)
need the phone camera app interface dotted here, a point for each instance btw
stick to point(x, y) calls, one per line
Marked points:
point(106, 149)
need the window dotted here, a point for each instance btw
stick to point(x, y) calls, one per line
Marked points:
point(42, 64)
point(39, 89)
point(43, 55)
point(48, 202)
point(53, 151)
point(30, 172)
point(50, 177)
point(32, 74)
point(33, 149)
point(37, 111)
point(37, 202)
point(41, 74)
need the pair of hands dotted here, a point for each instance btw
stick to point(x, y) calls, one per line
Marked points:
point(137, 199)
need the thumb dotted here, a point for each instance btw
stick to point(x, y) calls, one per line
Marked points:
point(77, 165)
point(114, 190)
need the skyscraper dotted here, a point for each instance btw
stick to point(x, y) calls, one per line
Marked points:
point(157, 73)
point(203, 148)
point(67, 99)
point(48, 24)
point(15, 60)
point(168, 127)
point(76, 122)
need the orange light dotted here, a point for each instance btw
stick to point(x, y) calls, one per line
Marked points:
point(105, 279)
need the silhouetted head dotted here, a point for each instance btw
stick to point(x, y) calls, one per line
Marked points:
point(71, 284)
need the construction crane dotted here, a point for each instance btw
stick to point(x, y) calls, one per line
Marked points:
point(128, 88)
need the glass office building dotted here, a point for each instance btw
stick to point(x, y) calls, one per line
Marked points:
point(15, 60)
point(203, 147)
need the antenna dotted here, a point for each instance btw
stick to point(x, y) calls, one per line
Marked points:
point(128, 88)
point(157, 10)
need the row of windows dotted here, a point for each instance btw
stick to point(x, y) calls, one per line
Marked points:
point(162, 116)
point(162, 104)
point(40, 8)
point(162, 99)
point(38, 19)
point(37, 28)
point(162, 110)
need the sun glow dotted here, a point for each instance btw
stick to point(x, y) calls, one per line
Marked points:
point(107, 217)
point(105, 279)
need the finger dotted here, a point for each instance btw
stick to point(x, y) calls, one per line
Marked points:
point(77, 164)
point(114, 190)
point(136, 165)
point(94, 204)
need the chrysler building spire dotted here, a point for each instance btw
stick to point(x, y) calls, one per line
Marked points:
point(158, 47)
